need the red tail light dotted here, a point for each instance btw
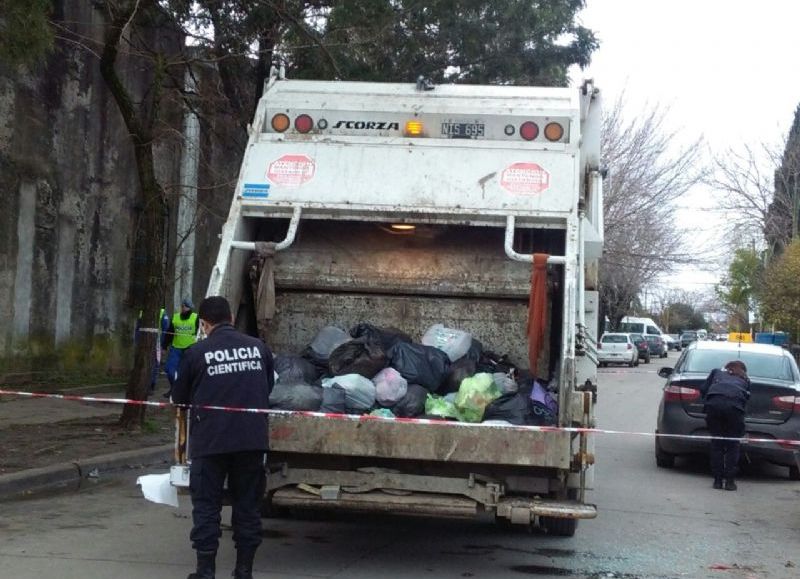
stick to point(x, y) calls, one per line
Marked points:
point(303, 123)
point(529, 130)
point(673, 393)
point(630, 346)
point(791, 403)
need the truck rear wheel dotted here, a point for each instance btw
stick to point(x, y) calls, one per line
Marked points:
point(559, 527)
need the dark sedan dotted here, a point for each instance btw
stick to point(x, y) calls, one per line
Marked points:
point(657, 346)
point(642, 346)
point(688, 338)
point(773, 411)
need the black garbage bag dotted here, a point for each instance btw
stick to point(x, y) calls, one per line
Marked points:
point(514, 408)
point(295, 397)
point(419, 364)
point(491, 363)
point(460, 369)
point(541, 415)
point(475, 351)
point(360, 356)
point(413, 403)
point(334, 399)
point(294, 370)
point(387, 337)
point(325, 342)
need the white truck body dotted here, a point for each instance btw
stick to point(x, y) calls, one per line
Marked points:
point(479, 206)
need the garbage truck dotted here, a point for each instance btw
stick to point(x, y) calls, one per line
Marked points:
point(407, 205)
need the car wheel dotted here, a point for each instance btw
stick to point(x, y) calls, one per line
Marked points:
point(664, 459)
point(647, 359)
point(559, 527)
point(794, 473)
point(632, 364)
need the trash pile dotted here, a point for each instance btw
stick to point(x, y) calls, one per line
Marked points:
point(381, 371)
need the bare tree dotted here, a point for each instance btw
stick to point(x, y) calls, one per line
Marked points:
point(744, 179)
point(648, 173)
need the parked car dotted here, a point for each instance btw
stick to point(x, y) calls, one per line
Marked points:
point(657, 346)
point(687, 338)
point(617, 348)
point(673, 341)
point(773, 410)
point(643, 346)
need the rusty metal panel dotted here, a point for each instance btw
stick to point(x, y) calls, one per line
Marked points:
point(498, 324)
point(369, 257)
point(453, 442)
point(378, 502)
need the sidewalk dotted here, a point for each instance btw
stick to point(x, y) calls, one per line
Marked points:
point(52, 444)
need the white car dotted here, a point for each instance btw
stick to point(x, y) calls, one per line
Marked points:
point(617, 348)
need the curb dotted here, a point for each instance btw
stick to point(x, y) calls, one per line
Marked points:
point(70, 475)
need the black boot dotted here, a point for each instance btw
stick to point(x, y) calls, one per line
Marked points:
point(730, 485)
point(718, 482)
point(244, 563)
point(206, 565)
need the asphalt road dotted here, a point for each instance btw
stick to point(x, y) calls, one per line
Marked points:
point(652, 523)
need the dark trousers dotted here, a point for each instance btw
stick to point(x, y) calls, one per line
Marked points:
point(724, 420)
point(171, 365)
point(246, 484)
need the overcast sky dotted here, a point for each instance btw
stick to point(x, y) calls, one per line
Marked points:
point(729, 70)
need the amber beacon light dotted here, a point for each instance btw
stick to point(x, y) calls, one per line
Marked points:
point(414, 128)
point(553, 132)
point(280, 123)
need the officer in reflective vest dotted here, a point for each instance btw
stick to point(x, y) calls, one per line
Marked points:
point(181, 334)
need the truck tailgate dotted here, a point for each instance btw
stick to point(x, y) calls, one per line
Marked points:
point(418, 440)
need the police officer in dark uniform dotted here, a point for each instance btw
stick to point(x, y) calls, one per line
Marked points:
point(725, 393)
point(231, 369)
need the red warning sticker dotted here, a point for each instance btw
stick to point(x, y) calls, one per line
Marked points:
point(291, 170)
point(525, 178)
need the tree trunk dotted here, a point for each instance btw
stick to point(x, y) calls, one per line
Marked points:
point(140, 122)
point(151, 229)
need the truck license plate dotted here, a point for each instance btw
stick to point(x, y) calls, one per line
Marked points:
point(463, 130)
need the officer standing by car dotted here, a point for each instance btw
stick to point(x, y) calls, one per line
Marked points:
point(725, 393)
point(228, 369)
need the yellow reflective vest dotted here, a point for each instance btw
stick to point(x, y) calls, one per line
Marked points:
point(185, 330)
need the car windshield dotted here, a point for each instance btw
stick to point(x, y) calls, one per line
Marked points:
point(689, 335)
point(637, 337)
point(653, 338)
point(759, 365)
point(615, 339)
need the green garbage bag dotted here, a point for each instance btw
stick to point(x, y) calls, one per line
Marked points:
point(474, 395)
point(382, 412)
point(439, 406)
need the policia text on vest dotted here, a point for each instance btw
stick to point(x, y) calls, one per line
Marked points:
point(233, 360)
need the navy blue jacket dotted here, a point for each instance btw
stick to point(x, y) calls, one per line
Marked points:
point(722, 387)
point(226, 369)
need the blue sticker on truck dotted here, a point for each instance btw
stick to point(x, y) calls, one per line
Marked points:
point(255, 190)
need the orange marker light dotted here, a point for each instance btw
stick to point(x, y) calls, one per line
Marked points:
point(414, 128)
point(280, 122)
point(553, 132)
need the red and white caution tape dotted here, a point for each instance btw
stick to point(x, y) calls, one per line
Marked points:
point(370, 418)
